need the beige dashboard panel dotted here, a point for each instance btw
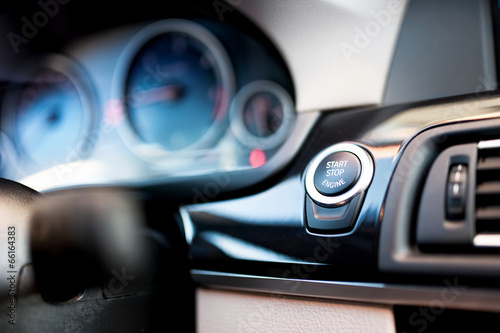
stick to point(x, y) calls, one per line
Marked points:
point(228, 311)
point(338, 51)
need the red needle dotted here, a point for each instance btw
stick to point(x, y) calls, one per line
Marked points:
point(160, 94)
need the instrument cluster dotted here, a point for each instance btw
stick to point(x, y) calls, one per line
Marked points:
point(170, 98)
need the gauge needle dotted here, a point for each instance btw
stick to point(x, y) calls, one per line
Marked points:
point(46, 119)
point(260, 106)
point(160, 94)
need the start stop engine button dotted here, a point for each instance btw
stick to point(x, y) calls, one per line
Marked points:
point(337, 173)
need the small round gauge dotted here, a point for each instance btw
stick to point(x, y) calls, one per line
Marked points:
point(50, 113)
point(178, 87)
point(262, 114)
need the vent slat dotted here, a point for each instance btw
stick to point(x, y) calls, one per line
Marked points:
point(488, 188)
point(489, 213)
point(488, 163)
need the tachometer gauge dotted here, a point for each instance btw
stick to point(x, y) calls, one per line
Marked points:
point(49, 113)
point(178, 88)
point(261, 115)
point(49, 116)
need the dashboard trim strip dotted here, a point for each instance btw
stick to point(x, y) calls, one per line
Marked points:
point(451, 294)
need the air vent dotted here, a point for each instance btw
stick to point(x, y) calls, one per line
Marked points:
point(488, 194)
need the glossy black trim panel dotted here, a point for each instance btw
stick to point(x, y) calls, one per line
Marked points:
point(270, 219)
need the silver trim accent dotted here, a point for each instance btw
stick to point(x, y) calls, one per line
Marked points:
point(487, 240)
point(187, 224)
point(451, 294)
point(489, 144)
point(364, 180)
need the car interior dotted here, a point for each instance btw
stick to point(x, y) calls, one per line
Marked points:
point(344, 175)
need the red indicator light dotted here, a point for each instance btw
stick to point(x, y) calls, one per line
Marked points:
point(257, 158)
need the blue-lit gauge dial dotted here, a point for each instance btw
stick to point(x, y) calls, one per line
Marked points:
point(178, 88)
point(48, 114)
point(261, 115)
point(49, 118)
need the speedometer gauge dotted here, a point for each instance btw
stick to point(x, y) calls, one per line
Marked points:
point(178, 88)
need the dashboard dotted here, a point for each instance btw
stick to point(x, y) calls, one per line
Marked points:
point(248, 166)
